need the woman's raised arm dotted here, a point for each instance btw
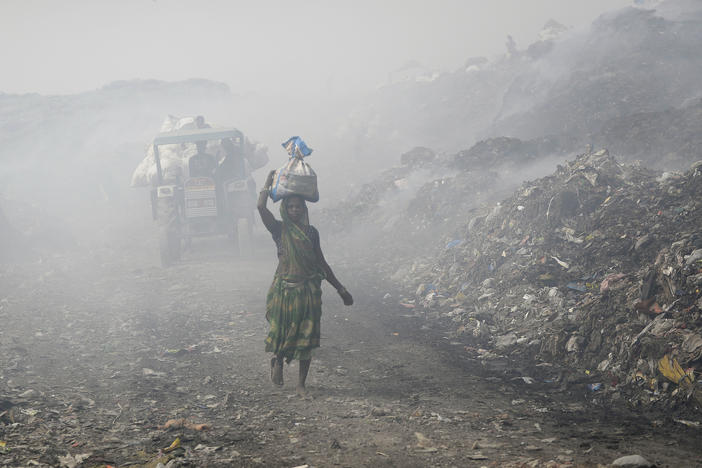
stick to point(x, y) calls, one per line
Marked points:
point(266, 215)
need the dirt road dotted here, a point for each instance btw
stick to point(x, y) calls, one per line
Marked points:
point(99, 350)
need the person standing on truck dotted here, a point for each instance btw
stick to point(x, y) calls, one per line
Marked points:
point(200, 122)
point(234, 168)
point(294, 300)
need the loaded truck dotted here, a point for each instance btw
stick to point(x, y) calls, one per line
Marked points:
point(208, 194)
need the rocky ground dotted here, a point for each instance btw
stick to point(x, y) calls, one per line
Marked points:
point(109, 360)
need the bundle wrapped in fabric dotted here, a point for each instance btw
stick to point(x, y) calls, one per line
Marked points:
point(296, 177)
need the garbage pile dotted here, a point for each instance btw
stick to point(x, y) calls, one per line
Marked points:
point(595, 269)
point(493, 152)
point(397, 218)
point(365, 205)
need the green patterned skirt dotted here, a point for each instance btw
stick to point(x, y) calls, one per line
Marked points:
point(294, 312)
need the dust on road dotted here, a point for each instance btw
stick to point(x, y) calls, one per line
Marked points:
point(100, 351)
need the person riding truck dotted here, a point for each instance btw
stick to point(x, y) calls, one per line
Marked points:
point(202, 164)
point(235, 167)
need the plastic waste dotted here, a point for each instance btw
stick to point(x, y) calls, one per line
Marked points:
point(576, 287)
point(561, 262)
point(631, 460)
point(184, 423)
point(173, 446)
point(670, 368)
point(688, 423)
point(454, 243)
point(610, 280)
point(296, 177)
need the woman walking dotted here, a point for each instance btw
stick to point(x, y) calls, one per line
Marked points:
point(294, 301)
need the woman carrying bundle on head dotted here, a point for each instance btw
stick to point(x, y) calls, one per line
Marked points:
point(294, 301)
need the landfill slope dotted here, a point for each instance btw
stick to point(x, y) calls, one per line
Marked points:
point(673, 135)
point(589, 276)
point(632, 67)
point(427, 196)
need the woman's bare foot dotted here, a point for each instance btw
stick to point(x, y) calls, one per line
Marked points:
point(304, 369)
point(303, 393)
point(277, 371)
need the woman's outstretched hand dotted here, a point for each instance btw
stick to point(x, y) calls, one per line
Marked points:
point(345, 295)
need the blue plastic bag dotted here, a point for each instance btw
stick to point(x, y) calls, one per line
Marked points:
point(296, 148)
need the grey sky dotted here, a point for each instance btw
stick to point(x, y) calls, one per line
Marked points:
point(266, 46)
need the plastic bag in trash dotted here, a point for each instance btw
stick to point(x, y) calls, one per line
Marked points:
point(296, 177)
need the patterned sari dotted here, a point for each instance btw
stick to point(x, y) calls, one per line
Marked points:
point(294, 301)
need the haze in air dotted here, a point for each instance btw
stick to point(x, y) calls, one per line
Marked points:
point(509, 194)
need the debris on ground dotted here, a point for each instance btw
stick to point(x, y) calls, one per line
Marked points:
point(633, 461)
point(183, 423)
